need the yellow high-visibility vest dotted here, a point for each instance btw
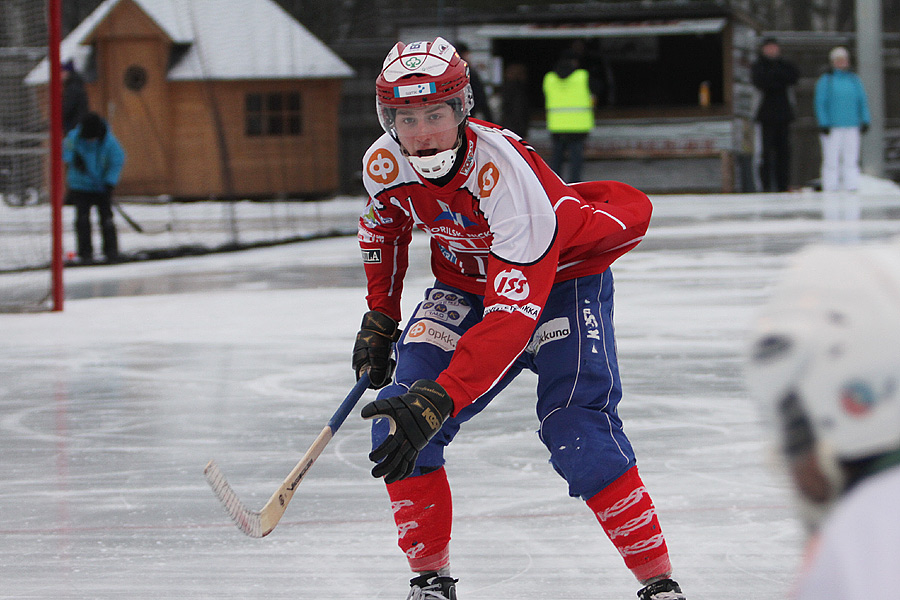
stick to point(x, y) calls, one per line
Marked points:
point(570, 108)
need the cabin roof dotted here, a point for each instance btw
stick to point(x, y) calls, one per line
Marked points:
point(220, 39)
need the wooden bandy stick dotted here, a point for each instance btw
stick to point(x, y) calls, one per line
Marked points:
point(259, 524)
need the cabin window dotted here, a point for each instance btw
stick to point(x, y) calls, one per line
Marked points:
point(273, 114)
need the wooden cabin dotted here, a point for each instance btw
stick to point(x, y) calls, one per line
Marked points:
point(212, 98)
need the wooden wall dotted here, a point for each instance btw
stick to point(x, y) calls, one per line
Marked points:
point(209, 121)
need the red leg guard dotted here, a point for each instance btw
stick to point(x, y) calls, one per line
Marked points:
point(423, 512)
point(628, 517)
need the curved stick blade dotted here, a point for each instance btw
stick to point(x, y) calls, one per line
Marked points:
point(248, 521)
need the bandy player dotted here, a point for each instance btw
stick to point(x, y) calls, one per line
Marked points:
point(521, 261)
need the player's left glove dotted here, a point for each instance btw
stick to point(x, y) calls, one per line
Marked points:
point(415, 417)
point(372, 350)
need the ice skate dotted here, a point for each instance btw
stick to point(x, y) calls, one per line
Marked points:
point(664, 589)
point(431, 586)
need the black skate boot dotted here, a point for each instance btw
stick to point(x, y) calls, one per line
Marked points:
point(431, 586)
point(664, 589)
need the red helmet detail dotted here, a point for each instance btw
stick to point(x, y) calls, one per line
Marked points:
point(422, 73)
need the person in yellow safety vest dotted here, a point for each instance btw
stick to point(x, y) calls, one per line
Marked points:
point(569, 103)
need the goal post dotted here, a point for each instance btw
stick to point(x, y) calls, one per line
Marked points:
point(54, 36)
point(31, 184)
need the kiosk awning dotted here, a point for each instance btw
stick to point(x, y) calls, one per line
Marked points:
point(610, 29)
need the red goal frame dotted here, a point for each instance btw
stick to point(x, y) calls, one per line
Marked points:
point(54, 39)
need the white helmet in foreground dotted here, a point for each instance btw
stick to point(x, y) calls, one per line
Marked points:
point(825, 362)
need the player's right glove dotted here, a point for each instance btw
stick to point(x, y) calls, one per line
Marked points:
point(415, 417)
point(372, 350)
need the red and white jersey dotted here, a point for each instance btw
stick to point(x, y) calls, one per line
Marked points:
point(506, 227)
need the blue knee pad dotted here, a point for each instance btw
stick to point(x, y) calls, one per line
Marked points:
point(588, 448)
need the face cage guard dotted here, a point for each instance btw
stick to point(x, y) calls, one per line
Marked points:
point(462, 103)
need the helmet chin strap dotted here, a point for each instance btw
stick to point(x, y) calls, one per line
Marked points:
point(438, 164)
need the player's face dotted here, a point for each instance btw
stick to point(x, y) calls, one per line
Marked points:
point(426, 130)
point(771, 51)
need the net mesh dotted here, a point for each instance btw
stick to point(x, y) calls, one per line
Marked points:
point(25, 210)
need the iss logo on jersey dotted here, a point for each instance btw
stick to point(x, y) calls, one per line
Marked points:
point(512, 284)
point(382, 167)
point(488, 177)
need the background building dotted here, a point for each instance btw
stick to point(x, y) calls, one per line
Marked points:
point(212, 98)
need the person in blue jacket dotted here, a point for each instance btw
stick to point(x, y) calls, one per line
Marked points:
point(95, 159)
point(842, 112)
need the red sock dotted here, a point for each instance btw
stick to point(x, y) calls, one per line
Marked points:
point(626, 512)
point(423, 512)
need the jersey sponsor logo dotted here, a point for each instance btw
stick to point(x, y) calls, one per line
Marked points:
point(429, 332)
point(448, 297)
point(371, 256)
point(382, 167)
point(555, 329)
point(512, 284)
point(488, 177)
point(532, 311)
point(470, 160)
point(457, 218)
point(373, 216)
point(444, 307)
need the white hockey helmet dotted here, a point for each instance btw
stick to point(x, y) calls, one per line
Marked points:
point(824, 357)
point(418, 75)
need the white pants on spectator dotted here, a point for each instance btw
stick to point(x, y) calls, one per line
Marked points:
point(840, 159)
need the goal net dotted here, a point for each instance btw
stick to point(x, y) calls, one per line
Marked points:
point(25, 206)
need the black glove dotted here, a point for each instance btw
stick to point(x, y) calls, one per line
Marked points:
point(864, 128)
point(824, 130)
point(372, 350)
point(108, 190)
point(415, 417)
point(78, 163)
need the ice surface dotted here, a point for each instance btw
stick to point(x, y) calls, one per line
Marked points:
point(110, 410)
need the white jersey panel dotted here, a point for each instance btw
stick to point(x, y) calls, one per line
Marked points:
point(513, 200)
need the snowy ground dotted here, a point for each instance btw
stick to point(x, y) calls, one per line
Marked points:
point(110, 410)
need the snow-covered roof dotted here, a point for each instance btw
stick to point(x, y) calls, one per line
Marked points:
point(225, 40)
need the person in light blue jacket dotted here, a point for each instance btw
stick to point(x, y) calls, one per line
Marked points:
point(94, 158)
point(842, 112)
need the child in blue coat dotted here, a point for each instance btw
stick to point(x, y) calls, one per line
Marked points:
point(95, 159)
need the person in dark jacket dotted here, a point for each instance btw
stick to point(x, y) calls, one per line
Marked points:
point(74, 97)
point(95, 159)
point(516, 115)
point(482, 109)
point(773, 75)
